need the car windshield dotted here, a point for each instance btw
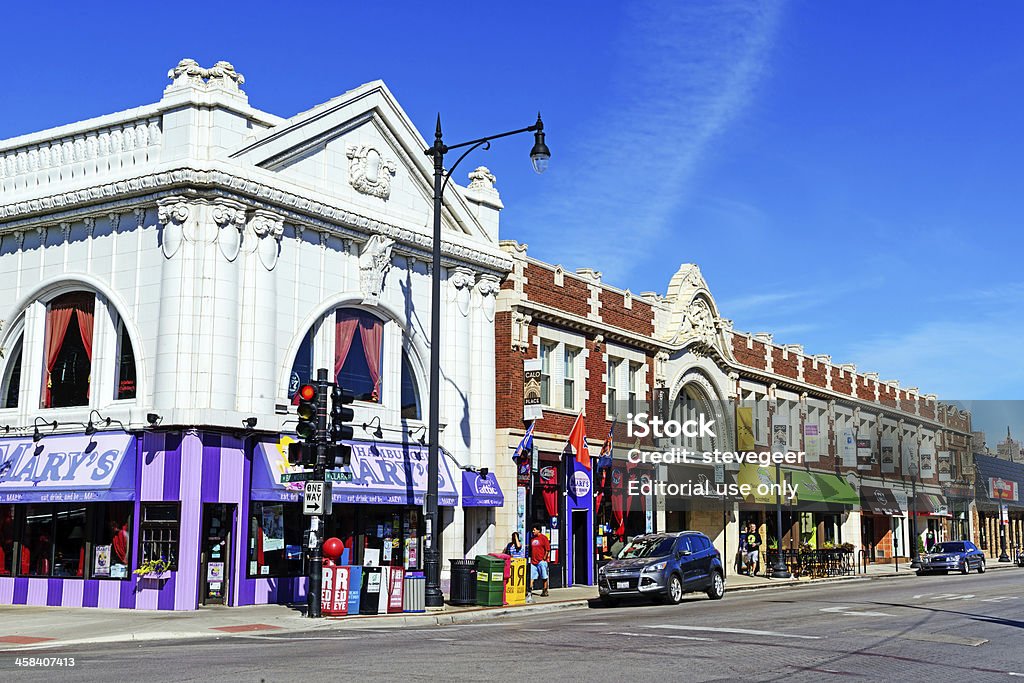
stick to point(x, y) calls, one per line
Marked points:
point(647, 547)
point(948, 548)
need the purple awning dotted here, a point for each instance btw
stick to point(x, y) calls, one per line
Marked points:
point(382, 473)
point(480, 491)
point(68, 468)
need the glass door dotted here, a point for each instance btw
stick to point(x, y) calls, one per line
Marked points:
point(215, 559)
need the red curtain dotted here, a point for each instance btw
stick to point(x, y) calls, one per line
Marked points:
point(57, 319)
point(344, 332)
point(549, 489)
point(371, 333)
point(85, 317)
point(618, 494)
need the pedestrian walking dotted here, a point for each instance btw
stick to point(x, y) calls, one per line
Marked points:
point(753, 546)
point(540, 553)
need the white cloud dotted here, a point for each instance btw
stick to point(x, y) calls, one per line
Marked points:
point(685, 71)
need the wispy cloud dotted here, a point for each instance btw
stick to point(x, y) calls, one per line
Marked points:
point(953, 359)
point(685, 72)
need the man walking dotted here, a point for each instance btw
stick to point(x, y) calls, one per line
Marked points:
point(753, 547)
point(540, 552)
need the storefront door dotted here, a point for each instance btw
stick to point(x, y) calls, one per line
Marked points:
point(215, 559)
point(580, 547)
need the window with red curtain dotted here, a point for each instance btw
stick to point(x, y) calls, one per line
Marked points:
point(68, 347)
point(358, 351)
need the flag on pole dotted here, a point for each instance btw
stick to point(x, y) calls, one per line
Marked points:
point(525, 446)
point(605, 459)
point(578, 442)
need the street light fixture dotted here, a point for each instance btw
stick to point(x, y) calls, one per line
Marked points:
point(539, 156)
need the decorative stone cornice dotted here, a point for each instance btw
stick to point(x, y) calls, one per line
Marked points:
point(295, 208)
point(488, 286)
point(461, 278)
point(189, 73)
point(267, 228)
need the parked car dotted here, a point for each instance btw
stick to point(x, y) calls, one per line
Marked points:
point(665, 566)
point(951, 556)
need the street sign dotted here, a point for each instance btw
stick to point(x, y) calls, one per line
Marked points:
point(296, 476)
point(719, 473)
point(337, 475)
point(316, 499)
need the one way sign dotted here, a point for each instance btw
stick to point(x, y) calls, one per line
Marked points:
point(316, 499)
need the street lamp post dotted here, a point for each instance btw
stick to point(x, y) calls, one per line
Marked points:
point(539, 155)
point(779, 569)
point(915, 558)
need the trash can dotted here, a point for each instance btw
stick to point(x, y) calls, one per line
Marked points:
point(463, 588)
point(415, 598)
point(490, 581)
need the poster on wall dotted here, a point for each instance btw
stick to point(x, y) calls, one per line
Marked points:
point(908, 452)
point(521, 511)
point(744, 429)
point(888, 454)
point(780, 435)
point(811, 441)
point(945, 465)
point(849, 448)
point(863, 454)
point(273, 528)
point(101, 563)
point(927, 465)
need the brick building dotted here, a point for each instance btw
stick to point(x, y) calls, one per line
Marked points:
point(876, 454)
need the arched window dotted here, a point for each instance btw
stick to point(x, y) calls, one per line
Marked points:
point(358, 347)
point(68, 349)
point(12, 376)
point(302, 368)
point(124, 380)
point(410, 393)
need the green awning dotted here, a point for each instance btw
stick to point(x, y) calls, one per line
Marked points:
point(818, 487)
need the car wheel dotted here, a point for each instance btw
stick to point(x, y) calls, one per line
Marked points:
point(966, 567)
point(674, 595)
point(717, 589)
point(981, 567)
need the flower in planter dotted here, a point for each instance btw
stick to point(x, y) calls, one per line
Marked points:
point(153, 566)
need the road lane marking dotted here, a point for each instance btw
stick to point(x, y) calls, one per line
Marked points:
point(536, 630)
point(843, 609)
point(742, 631)
point(945, 638)
point(1000, 598)
point(659, 635)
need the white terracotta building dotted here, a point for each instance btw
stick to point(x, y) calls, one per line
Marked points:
point(181, 267)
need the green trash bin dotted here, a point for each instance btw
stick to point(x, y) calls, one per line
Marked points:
point(490, 581)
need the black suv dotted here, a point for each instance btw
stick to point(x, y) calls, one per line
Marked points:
point(664, 565)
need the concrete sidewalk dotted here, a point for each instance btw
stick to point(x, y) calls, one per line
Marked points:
point(32, 628)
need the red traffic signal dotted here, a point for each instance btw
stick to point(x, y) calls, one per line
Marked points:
point(307, 412)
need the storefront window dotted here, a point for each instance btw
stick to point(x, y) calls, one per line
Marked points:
point(159, 530)
point(410, 394)
point(69, 541)
point(111, 544)
point(37, 556)
point(275, 539)
point(6, 540)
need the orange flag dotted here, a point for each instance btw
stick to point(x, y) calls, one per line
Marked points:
point(578, 442)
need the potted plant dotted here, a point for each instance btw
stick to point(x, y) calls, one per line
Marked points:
point(154, 568)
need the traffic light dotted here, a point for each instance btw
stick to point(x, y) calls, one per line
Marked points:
point(297, 454)
point(342, 415)
point(307, 411)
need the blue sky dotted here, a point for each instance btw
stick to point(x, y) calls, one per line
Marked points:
point(847, 176)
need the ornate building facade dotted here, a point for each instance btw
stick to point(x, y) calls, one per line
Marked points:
point(171, 274)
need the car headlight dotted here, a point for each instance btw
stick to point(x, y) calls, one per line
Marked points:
point(656, 567)
point(600, 572)
point(955, 558)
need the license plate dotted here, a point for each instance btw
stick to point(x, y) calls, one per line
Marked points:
point(622, 584)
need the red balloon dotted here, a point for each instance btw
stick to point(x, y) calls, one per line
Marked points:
point(333, 547)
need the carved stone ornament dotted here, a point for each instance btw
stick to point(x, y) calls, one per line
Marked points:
point(221, 74)
point(267, 228)
point(172, 214)
point(369, 172)
point(461, 280)
point(374, 262)
point(230, 220)
point(481, 178)
point(699, 323)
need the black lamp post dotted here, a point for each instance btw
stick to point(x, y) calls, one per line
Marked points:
point(779, 569)
point(539, 155)
point(915, 558)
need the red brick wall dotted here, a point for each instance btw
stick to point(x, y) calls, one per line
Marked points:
point(865, 388)
point(887, 395)
point(842, 383)
point(508, 374)
point(812, 375)
point(752, 357)
point(639, 319)
point(540, 287)
point(783, 367)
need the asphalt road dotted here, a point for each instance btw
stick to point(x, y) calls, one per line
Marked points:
point(935, 628)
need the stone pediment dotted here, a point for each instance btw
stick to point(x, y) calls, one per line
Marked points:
point(693, 318)
point(362, 148)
